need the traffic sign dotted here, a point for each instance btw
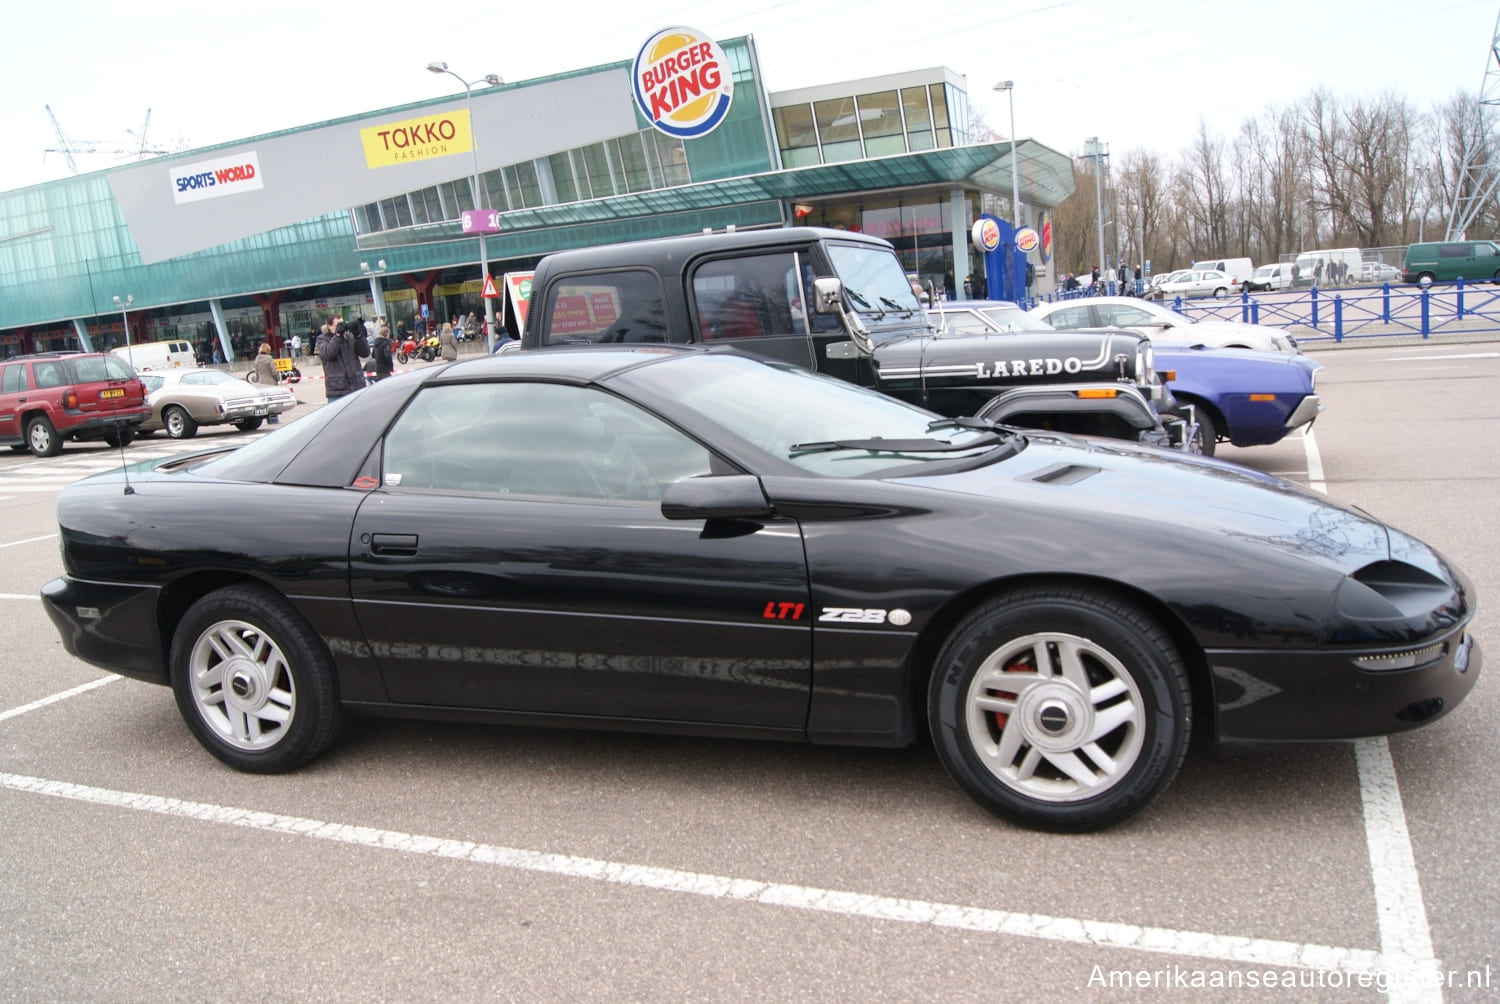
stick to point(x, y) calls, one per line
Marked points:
point(490, 292)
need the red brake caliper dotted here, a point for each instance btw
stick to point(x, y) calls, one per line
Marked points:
point(1019, 666)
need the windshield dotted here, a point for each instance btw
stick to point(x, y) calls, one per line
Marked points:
point(1011, 319)
point(872, 278)
point(775, 407)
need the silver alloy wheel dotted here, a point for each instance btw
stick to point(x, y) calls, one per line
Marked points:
point(1055, 717)
point(39, 437)
point(242, 685)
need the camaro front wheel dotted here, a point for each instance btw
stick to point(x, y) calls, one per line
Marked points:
point(253, 681)
point(1060, 708)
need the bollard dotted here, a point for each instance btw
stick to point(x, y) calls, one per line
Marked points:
point(1338, 318)
point(1255, 312)
point(1385, 303)
point(1459, 297)
point(1426, 308)
point(1244, 305)
point(1313, 296)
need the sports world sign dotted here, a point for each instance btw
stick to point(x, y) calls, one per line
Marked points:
point(210, 179)
point(683, 84)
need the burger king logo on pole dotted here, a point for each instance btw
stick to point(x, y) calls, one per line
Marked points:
point(1027, 239)
point(986, 234)
point(683, 84)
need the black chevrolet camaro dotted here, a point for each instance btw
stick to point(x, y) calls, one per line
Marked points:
point(693, 540)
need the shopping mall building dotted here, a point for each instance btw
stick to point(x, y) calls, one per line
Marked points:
point(377, 213)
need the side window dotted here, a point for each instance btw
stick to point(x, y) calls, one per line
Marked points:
point(1485, 251)
point(539, 440)
point(152, 383)
point(607, 307)
point(966, 322)
point(13, 379)
point(1071, 317)
point(749, 297)
point(49, 375)
point(1125, 317)
point(1453, 250)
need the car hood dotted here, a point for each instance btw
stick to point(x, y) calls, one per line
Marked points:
point(1190, 333)
point(1128, 492)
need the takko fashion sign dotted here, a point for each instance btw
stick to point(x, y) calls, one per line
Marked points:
point(424, 138)
point(210, 179)
point(683, 84)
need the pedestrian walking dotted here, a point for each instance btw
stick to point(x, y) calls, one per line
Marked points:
point(380, 353)
point(447, 344)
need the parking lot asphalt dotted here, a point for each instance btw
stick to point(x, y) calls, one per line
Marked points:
point(422, 861)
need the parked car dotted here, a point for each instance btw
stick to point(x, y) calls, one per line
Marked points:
point(698, 540)
point(49, 397)
point(1243, 396)
point(1165, 325)
point(1378, 271)
point(1239, 268)
point(1277, 275)
point(183, 400)
point(1198, 283)
point(1247, 397)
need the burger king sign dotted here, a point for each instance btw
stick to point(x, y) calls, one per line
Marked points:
point(683, 84)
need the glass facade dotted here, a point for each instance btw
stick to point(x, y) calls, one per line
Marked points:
point(876, 124)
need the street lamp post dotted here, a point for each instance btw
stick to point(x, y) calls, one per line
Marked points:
point(1098, 152)
point(377, 295)
point(124, 306)
point(484, 261)
point(1009, 87)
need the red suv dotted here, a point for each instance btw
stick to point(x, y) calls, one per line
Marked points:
point(52, 396)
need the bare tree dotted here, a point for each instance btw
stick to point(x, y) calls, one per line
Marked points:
point(1204, 185)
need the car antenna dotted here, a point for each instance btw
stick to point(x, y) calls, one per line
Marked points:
point(124, 306)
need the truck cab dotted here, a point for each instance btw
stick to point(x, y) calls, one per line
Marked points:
point(840, 303)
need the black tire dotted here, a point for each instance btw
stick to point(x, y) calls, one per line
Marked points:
point(252, 377)
point(1220, 293)
point(402, 358)
point(178, 423)
point(248, 424)
point(1208, 434)
point(1426, 279)
point(119, 438)
point(41, 438)
point(1097, 680)
point(273, 704)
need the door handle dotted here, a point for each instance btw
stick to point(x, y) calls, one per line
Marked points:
point(404, 544)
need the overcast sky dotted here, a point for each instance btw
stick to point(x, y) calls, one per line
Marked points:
point(1134, 75)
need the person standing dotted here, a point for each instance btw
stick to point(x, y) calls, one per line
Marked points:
point(265, 373)
point(342, 373)
point(380, 352)
point(447, 344)
point(1124, 279)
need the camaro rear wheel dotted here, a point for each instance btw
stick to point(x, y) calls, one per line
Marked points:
point(253, 681)
point(1060, 708)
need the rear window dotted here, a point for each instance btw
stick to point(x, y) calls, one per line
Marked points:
point(97, 369)
point(623, 306)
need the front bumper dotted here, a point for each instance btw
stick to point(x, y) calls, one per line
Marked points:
point(1305, 412)
point(237, 410)
point(1267, 697)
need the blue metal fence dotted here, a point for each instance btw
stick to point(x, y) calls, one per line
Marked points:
point(1348, 313)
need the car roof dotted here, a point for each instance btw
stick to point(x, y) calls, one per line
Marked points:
point(568, 363)
point(666, 254)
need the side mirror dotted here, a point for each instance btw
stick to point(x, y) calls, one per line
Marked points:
point(828, 295)
point(734, 496)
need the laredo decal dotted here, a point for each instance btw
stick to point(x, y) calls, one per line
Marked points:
point(411, 140)
point(683, 84)
point(209, 179)
point(1028, 367)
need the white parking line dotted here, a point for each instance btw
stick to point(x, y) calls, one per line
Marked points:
point(82, 689)
point(30, 540)
point(1096, 934)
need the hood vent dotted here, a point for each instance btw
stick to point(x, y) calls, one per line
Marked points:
point(1064, 474)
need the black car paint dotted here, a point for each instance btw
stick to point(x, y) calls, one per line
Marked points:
point(722, 625)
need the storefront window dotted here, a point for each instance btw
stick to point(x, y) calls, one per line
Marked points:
point(795, 135)
point(838, 125)
point(520, 179)
point(395, 212)
point(597, 163)
point(457, 196)
point(880, 119)
point(494, 190)
point(633, 163)
point(562, 177)
point(425, 206)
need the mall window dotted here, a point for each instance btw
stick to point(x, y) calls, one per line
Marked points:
point(562, 177)
point(457, 196)
point(521, 182)
point(796, 136)
point(395, 212)
point(940, 115)
point(918, 118)
point(426, 207)
point(670, 158)
point(634, 166)
point(838, 125)
point(880, 121)
point(596, 161)
point(494, 190)
point(367, 218)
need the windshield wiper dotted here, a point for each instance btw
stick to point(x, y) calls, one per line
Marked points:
point(964, 422)
point(879, 445)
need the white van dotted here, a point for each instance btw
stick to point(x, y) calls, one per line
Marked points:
point(148, 356)
point(1240, 268)
point(1277, 275)
point(1340, 267)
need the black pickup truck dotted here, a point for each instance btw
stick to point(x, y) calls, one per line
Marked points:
point(839, 302)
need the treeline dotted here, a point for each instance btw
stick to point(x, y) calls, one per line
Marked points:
point(1325, 172)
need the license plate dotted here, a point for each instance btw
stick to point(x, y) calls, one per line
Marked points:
point(112, 392)
point(262, 411)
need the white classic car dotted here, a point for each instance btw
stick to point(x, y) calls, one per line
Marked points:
point(182, 400)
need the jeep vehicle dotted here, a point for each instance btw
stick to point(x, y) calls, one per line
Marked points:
point(839, 302)
point(50, 397)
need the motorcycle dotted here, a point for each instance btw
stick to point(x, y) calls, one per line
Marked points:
point(426, 351)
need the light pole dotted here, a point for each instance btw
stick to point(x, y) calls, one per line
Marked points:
point(1009, 87)
point(438, 66)
point(1098, 152)
point(377, 295)
point(124, 306)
